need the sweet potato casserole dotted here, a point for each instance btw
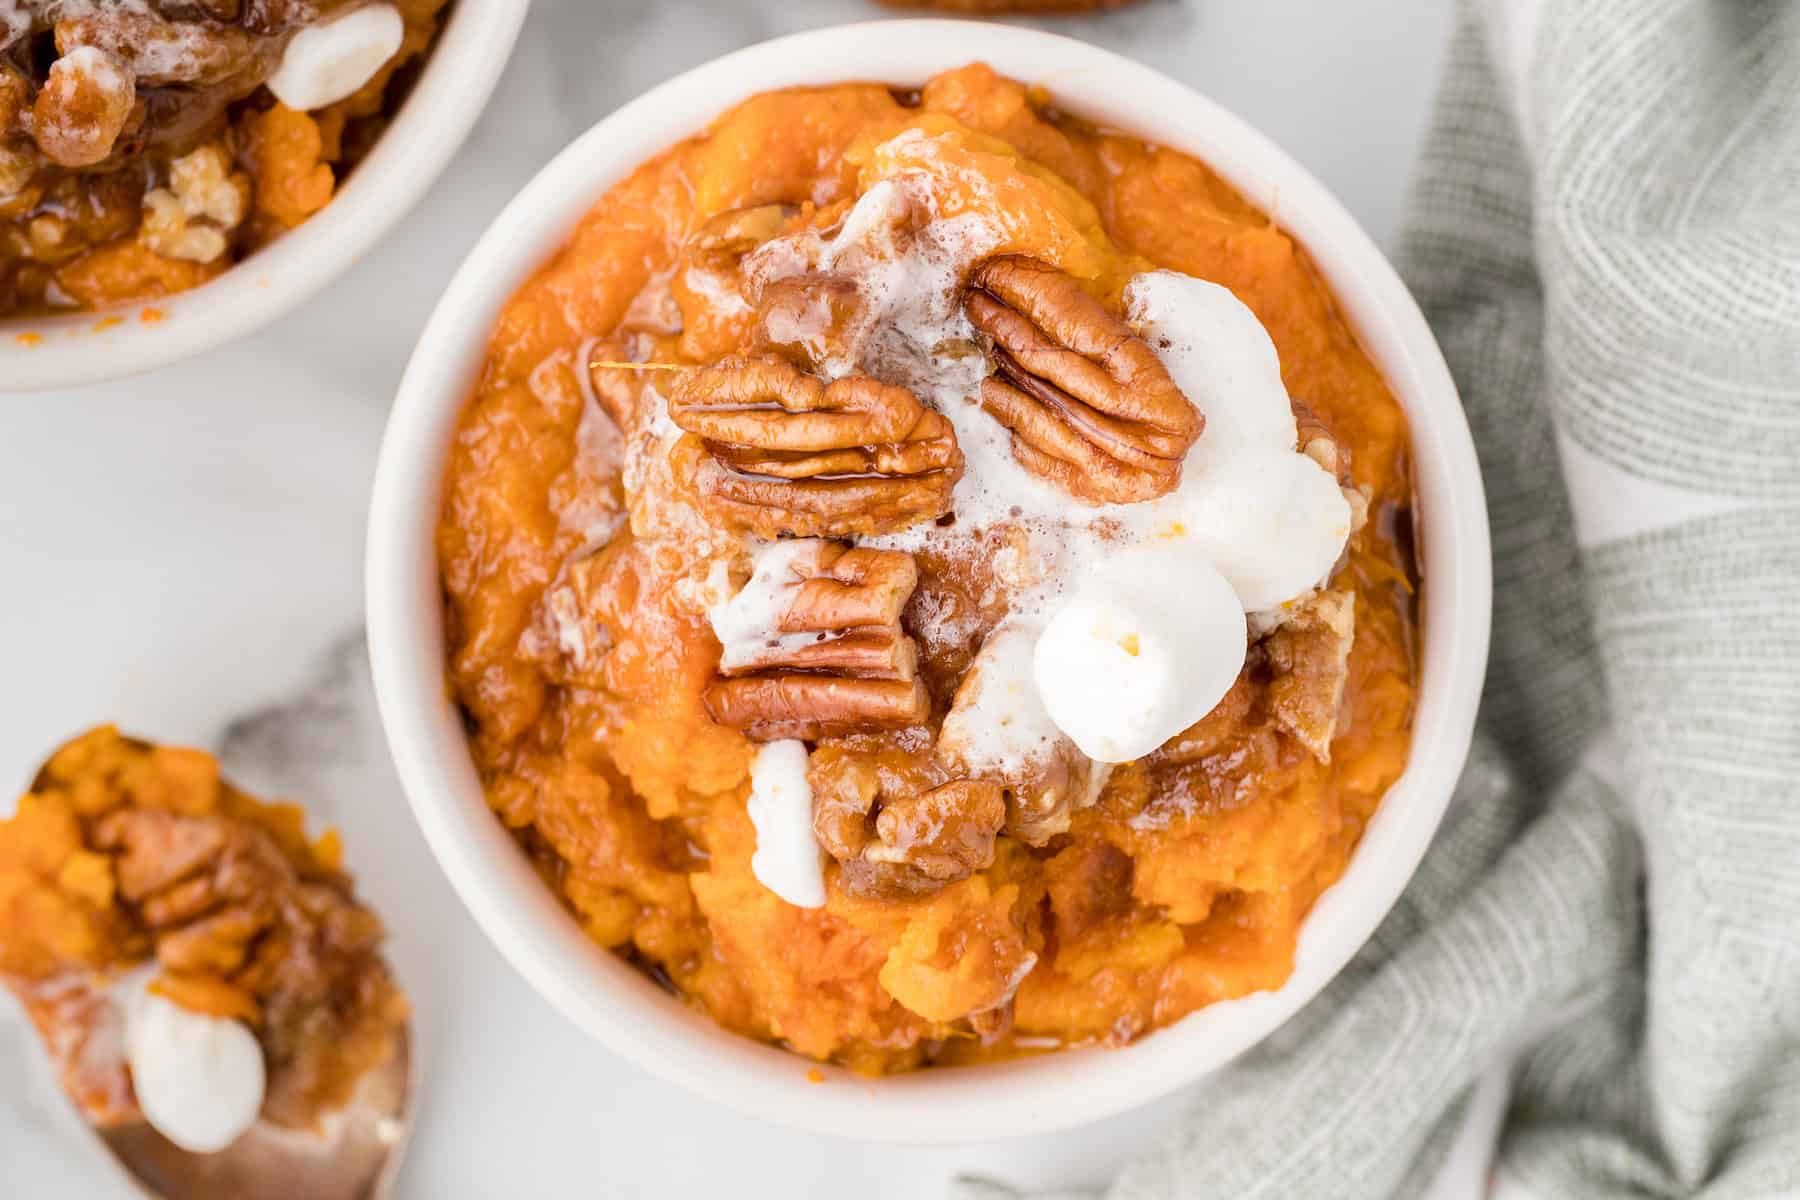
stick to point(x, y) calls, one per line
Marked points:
point(928, 579)
point(155, 921)
point(146, 145)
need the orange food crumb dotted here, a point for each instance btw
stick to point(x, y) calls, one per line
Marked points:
point(125, 270)
point(287, 152)
point(151, 316)
point(106, 323)
point(29, 339)
point(814, 1075)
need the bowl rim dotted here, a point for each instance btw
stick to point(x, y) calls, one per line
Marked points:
point(612, 1001)
point(41, 353)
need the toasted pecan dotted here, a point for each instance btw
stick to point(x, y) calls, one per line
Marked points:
point(1310, 655)
point(774, 451)
point(730, 235)
point(1090, 406)
point(901, 828)
point(835, 659)
point(771, 707)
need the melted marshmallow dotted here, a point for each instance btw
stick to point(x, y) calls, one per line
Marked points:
point(324, 63)
point(199, 1079)
point(999, 724)
point(1253, 525)
point(907, 265)
point(787, 858)
point(914, 287)
point(745, 623)
point(1214, 348)
point(1147, 645)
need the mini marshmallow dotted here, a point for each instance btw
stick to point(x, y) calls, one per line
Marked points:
point(1271, 519)
point(1149, 643)
point(199, 1079)
point(787, 858)
point(324, 63)
point(1221, 357)
point(1273, 523)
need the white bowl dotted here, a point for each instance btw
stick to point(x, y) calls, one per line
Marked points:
point(464, 64)
point(610, 999)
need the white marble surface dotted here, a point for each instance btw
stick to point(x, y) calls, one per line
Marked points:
point(181, 553)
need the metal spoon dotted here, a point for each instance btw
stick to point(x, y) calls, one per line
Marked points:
point(353, 1157)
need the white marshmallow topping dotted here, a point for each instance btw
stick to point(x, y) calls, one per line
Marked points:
point(1147, 645)
point(1221, 358)
point(745, 622)
point(198, 1079)
point(1273, 522)
point(787, 856)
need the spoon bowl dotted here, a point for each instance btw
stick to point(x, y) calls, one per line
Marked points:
point(354, 1156)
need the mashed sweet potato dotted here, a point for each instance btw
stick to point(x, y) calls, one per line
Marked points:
point(580, 660)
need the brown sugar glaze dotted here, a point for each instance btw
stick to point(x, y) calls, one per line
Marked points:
point(1185, 884)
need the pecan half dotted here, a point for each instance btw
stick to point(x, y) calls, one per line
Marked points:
point(728, 236)
point(1090, 406)
point(1310, 655)
point(769, 708)
point(208, 889)
point(778, 452)
point(1314, 439)
point(943, 834)
point(812, 319)
point(896, 826)
point(833, 659)
point(1041, 796)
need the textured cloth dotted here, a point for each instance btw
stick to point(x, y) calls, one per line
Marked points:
point(1605, 236)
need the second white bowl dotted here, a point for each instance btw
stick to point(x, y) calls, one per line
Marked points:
point(38, 353)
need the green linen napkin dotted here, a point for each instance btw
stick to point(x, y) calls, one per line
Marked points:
point(1605, 235)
